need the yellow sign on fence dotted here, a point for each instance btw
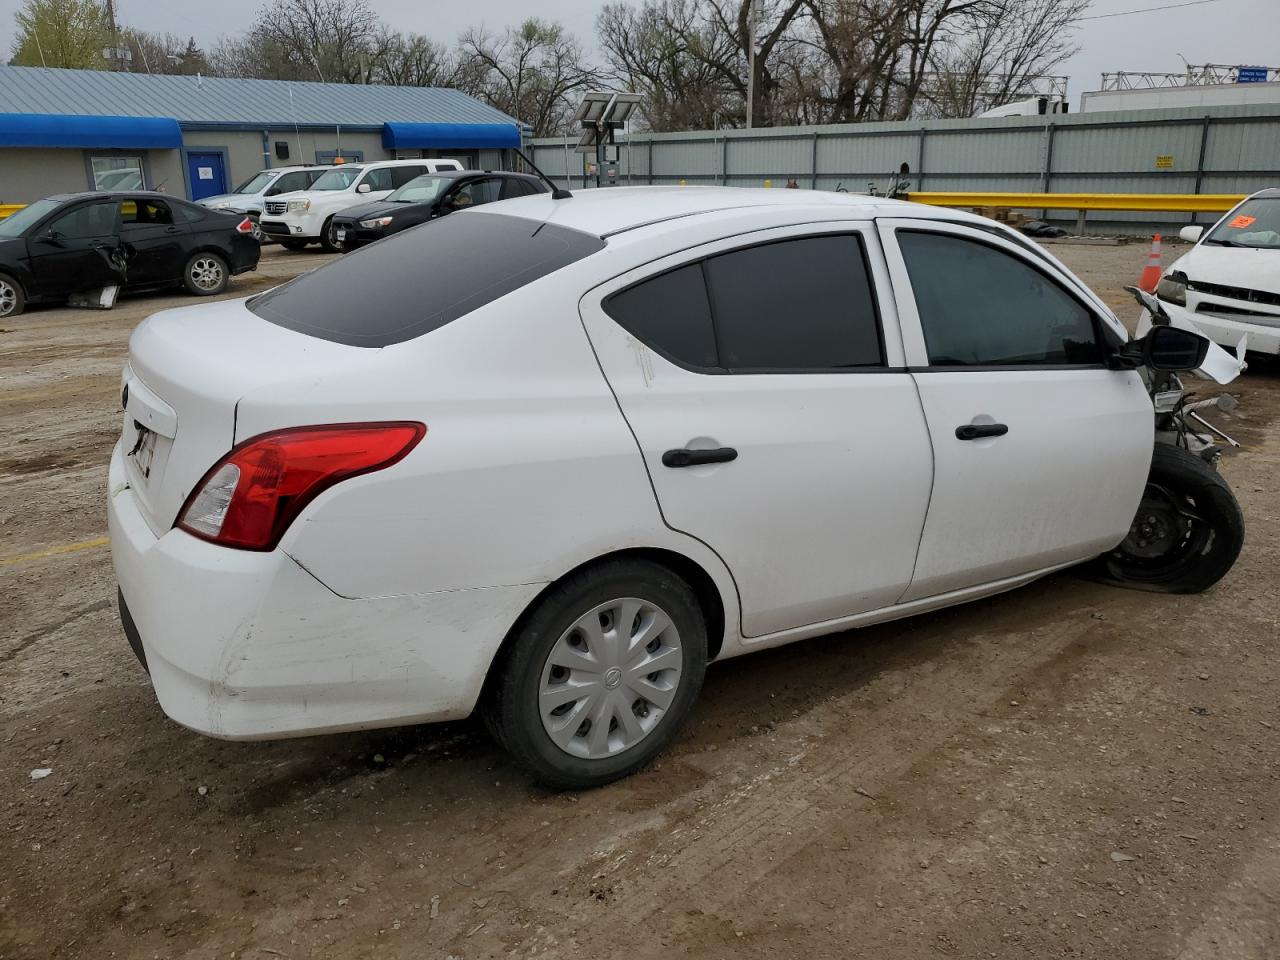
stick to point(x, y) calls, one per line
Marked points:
point(1164, 161)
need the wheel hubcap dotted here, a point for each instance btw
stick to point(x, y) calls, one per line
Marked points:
point(206, 273)
point(8, 298)
point(610, 678)
point(1166, 526)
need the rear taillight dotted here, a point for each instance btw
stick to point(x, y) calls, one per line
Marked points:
point(248, 498)
point(245, 226)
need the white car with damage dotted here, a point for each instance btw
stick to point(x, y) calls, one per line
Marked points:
point(551, 457)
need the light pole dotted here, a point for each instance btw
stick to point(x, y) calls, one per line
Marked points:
point(751, 62)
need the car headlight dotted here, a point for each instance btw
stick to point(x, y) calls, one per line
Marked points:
point(299, 206)
point(376, 222)
point(223, 205)
point(1173, 289)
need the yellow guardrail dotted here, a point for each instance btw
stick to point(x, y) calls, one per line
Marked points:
point(1141, 202)
point(8, 208)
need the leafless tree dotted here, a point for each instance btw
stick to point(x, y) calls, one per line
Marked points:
point(530, 72)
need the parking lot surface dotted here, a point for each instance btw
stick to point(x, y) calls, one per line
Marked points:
point(1068, 770)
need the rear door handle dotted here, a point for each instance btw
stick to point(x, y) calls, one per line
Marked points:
point(692, 458)
point(976, 431)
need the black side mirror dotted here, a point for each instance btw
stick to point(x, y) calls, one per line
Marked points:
point(53, 238)
point(1170, 349)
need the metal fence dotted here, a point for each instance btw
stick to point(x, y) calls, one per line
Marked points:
point(1222, 150)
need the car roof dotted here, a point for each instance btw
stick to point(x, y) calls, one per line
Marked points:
point(1271, 193)
point(114, 195)
point(604, 212)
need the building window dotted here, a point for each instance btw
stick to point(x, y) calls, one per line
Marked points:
point(348, 156)
point(116, 173)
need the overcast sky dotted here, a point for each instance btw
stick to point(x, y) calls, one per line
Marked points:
point(1222, 31)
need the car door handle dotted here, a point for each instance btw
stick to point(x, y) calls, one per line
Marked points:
point(693, 458)
point(976, 431)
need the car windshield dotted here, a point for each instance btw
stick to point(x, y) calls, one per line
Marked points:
point(255, 184)
point(1255, 223)
point(420, 190)
point(14, 224)
point(339, 178)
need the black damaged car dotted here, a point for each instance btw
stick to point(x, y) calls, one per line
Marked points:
point(77, 243)
point(423, 198)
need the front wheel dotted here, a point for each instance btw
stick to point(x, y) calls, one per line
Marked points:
point(329, 237)
point(601, 675)
point(11, 299)
point(1188, 531)
point(206, 274)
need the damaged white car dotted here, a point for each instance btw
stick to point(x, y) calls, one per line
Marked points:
point(1229, 282)
point(549, 458)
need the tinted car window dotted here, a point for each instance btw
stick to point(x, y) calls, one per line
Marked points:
point(187, 212)
point(402, 175)
point(419, 280)
point(671, 314)
point(88, 220)
point(801, 304)
point(379, 179)
point(475, 192)
point(511, 187)
point(981, 306)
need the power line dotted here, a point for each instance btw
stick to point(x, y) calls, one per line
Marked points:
point(1168, 6)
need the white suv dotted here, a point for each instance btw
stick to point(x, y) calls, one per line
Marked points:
point(251, 195)
point(307, 217)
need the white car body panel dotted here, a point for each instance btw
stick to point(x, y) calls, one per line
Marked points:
point(1061, 486)
point(391, 593)
point(827, 464)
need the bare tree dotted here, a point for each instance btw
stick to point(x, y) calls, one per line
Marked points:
point(529, 72)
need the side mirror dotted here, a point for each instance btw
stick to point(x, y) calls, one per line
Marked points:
point(364, 188)
point(1171, 349)
point(1191, 234)
point(53, 238)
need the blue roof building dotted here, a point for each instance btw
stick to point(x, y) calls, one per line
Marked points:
point(69, 130)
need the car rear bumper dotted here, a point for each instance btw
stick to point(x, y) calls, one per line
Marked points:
point(246, 646)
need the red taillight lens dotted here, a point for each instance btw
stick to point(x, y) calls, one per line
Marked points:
point(249, 497)
point(245, 226)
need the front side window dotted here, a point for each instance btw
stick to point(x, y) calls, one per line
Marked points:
point(980, 306)
point(474, 193)
point(87, 221)
point(289, 182)
point(116, 173)
point(339, 178)
point(379, 179)
point(796, 306)
point(1255, 223)
point(421, 190)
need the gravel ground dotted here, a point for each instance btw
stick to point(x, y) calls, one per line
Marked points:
point(1068, 770)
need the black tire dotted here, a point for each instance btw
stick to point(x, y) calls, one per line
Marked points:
point(328, 238)
point(1188, 531)
point(510, 707)
point(206, 274)
point(294, 244)
point(12, 298)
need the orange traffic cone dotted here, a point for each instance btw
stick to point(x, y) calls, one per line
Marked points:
point(1151, 273)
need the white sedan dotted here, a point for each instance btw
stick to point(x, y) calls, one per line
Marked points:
point(1229, 282)
point(550, 457)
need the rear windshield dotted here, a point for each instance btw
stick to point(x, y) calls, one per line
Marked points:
point(414, 282)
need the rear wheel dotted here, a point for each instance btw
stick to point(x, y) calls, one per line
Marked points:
point(601, 675)
point(12, 300)
point(294, 244)
point(1188, 531)
point(206, 274)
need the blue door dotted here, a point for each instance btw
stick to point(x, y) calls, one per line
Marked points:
point(206, 174)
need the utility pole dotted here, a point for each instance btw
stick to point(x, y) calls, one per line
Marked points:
point(751, 63)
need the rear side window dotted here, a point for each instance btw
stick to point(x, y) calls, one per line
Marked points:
point(794, 306)
point(670, 314)
point(511, 187)
point(980, 306)
point(419, 280)
point(402, 175)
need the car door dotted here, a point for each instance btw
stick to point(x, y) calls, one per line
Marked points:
point(154, 245)
point(73, 251)
point(378, 180)
point(472, 193)
point(763, 380)
point(1040, 450)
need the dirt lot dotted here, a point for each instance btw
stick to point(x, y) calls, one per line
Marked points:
point(1069, 770)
